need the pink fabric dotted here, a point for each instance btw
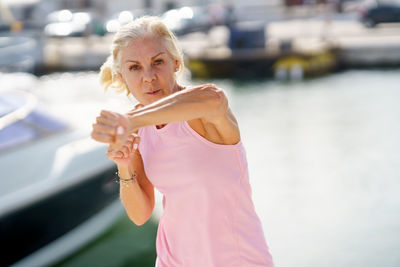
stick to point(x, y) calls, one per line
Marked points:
point(208, 215)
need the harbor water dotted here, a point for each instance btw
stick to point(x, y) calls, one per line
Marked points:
point(324, 164)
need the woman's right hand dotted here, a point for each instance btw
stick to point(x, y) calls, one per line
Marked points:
point(123, 157)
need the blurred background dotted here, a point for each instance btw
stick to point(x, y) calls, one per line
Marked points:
point(314, 84)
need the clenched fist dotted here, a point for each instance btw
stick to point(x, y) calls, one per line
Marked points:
point(124, 156)
point(112, 128)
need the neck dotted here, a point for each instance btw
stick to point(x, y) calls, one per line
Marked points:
point(178, 87)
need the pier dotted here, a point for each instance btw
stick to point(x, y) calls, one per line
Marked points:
point(350, 43)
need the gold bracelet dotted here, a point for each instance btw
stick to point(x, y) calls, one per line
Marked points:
point(125, 182)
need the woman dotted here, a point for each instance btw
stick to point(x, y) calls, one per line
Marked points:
point(186, 143)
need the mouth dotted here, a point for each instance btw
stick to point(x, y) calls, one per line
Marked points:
point(153, 92)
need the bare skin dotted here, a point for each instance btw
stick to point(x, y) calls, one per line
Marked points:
point(148, 71)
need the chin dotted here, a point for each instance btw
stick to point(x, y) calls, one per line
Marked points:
point(153, 99)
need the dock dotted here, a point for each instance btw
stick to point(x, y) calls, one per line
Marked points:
point(357, 45)
point(340, 44)
point(310, 47)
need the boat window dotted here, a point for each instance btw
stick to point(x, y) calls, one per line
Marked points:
point(35, 126)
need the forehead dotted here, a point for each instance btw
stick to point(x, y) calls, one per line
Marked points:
point(143, 49)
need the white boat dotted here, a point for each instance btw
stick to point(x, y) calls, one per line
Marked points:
point(57, 189)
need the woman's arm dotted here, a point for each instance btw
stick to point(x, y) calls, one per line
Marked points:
point(206, 102)
point(138, 197)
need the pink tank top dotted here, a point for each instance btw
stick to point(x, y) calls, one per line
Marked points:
point(208, 217)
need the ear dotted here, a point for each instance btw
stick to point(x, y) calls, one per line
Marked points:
point(121, 77)
point(177, 65)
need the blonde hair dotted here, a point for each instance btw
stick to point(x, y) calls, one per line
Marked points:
point(139, 28)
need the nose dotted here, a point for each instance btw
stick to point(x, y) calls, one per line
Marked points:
point(149, 75)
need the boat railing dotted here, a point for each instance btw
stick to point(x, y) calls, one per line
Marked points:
point(19, 113)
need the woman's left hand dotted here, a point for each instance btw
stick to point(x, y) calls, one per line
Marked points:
point(111, 127)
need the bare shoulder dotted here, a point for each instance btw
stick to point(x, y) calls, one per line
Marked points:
point(227, 127)
point(222, 128)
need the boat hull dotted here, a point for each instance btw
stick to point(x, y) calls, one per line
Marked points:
point(36, 225)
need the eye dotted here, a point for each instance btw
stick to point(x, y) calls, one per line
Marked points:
point(134, 67)
point(158, 62)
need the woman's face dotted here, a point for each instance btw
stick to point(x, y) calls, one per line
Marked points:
point(148, 70)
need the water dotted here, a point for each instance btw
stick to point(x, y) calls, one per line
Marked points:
point(324, 162)
point(323, 157)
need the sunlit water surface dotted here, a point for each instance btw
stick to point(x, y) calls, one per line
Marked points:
point(324, 158)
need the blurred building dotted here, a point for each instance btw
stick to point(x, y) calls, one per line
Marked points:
point(38, 9)
point(107, 7)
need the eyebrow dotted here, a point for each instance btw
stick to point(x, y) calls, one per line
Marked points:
point(129, 60)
